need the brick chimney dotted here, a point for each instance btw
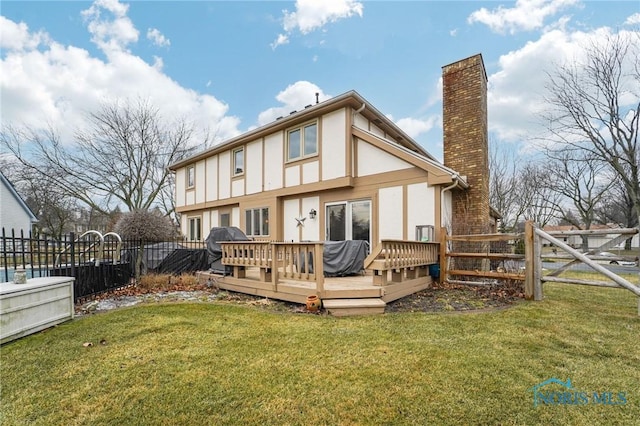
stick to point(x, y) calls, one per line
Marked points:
point(466, 146)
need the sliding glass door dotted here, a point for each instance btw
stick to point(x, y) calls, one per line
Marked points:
point(349, 220)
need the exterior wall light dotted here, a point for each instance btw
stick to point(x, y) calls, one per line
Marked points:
point(312, 214)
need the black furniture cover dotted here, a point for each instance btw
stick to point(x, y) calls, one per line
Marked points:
point(214, 251)
point(342, 258)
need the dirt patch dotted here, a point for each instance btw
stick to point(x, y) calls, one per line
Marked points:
point(458, 298)
point(439, 298)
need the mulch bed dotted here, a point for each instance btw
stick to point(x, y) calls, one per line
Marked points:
point(459, 298)
point(445, 297)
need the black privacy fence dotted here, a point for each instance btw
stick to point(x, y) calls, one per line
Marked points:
point(97, 262)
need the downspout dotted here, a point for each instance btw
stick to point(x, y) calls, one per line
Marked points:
point(456, 180)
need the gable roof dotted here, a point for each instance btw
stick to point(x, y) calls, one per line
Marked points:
point(351, 98)
point(14, 193)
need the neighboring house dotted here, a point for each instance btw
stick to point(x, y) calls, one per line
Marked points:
point(341, 170)
point(594, 241)
point(14, 212)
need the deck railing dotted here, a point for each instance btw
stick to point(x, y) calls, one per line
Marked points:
point(300, 261)
point(406, 259)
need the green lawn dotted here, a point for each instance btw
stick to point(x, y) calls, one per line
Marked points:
point(211, 364)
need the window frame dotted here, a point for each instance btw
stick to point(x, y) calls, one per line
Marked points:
point(235, 159)
point(257, 214)
point(191, 221)
point(301, 143)
point(190, 179)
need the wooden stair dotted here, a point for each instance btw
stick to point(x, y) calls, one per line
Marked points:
point(348, 307)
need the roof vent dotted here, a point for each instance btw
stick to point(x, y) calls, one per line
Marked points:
point(279, 118)
point(308, 106)
point(293, 112)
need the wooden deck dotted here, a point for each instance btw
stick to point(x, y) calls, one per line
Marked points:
point(393, 270)
point(341, 295)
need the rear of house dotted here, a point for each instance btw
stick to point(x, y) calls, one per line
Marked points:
point(341, 170)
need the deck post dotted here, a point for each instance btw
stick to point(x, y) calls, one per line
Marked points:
point(274, 266)
point(318, 268)
point(529, 261)
point(443, 255)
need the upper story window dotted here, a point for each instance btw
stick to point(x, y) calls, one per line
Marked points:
point(238, 161)
point(302, 142)
point(191, 176)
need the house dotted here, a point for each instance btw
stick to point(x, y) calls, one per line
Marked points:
point(597, 235)
point(14, 212)
point(341, 170)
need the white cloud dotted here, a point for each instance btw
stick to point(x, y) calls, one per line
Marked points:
point(311, 15)
point(517, 89)
point(453, 32)
point(294, 98)
point(158, 38)
point(16, 36)
point(415, 127)
point(527, 15)
point(109, 25)
point(282, 39)
point(44, 82)
point(633, 19)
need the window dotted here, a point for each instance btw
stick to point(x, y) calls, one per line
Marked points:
point(257, 221)
point(238, 161)
point(195, 233)
point(225, 219)
point(349, 220)
point(191, 176)
point(303, 142)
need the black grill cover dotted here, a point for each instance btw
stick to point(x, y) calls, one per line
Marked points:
point(343, 258)
point(214, 251)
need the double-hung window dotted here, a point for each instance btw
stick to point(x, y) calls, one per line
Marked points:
point(191, 176)
point(195, 229)
point(302, 142)
point(257, 221)
point(238, 161)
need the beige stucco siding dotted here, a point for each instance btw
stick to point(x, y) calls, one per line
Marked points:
point(420, 207)
point(237, 187)
point(310, 172)
point(311, 229)
point(253, 167)
point(273, 158)
point(224, 175)
point(390, 212)
point(292, 176)
point(180, 187)
point(334, 145)
point(200, 182)
point(372, 160)
point(212, 178)
point(291, 212)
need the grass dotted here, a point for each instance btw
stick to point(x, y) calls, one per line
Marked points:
point(223, 364)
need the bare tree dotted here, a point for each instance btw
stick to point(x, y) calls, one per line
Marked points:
point(504, 185)
point(519, 191)
point(538, 201)
point(144, 226)
point(120, 159)
point(581, 184)
point(595, 107)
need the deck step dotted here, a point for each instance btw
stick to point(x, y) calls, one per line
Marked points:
point(347, 307)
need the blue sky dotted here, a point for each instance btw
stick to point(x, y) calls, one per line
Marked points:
point(233, 65)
